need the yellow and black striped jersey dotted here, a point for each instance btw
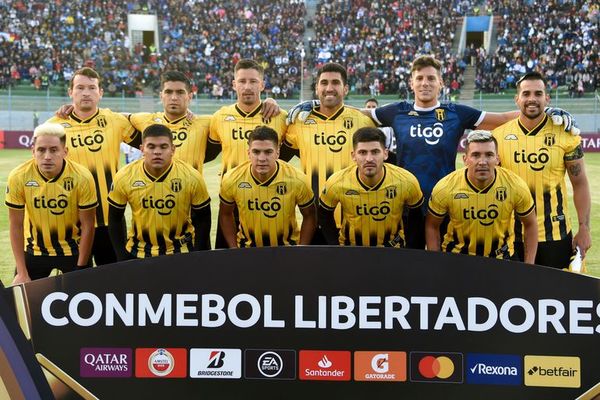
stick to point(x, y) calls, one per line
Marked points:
point(230, 127)
point(372, 216)
point(95, 144)
point(325, 143)
point(51, 206)
point(480, 219)
point(161, 207)
point(267, 209)
point(538, 156)
point(189, 137)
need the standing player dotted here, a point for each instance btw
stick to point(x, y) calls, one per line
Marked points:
point(169, 202)
point(372, 196)
point(55, 199)
point(94, 136)
point(480, 201)
point(266, 192)
point(540, 153)
point(390, 138)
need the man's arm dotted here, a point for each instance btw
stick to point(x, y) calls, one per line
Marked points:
point(212, 151)
point(530, 236)
point(270, 108)
point(493, 120)
point(87, 219)
point(227, 223)
point(432, 232)
point(201, 221)
point(328, 226)
point(309, 224)
point(583, 203)
point(116, 231)
point(17, 242)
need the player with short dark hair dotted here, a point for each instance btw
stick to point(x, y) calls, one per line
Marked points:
point(55, 198)
point(480, 201)
point(169, 202)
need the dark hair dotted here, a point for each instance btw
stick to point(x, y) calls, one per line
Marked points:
point(372, 99)
point(175, 76)
point(86, 71)
point(264, 132)
point(247, 63)
point(426, 61)
point(157, 130)
point(532, 76)
point(368, 134)
point(333, 67)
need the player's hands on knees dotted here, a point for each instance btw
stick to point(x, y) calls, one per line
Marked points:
point(270, 108)
point(562, 117)
point(301, 111)
point(21, 278)
point(64, 111)
point(583, 240)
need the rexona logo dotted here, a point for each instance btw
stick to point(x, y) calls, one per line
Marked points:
point(436, 367)
point(552, 371)
point(383, 366)
point(323, 365)
point(160, 363)
point(494, 369)
point(216, 363)
point(105, 362)
point(270, 364)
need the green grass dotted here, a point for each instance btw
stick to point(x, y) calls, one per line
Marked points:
point(9, 159)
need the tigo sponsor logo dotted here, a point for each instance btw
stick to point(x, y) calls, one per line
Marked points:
point(216, 363)
point(324, 365)
point(389, 366)
point(270, 364)
point(105, 362)
point(160, 363)
point(553, 371)
point(436, 367)
point(494, 369)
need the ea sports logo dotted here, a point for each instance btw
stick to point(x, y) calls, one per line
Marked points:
point(440, 367)
point(431, 134)
point(270, 364)
point(161, 362)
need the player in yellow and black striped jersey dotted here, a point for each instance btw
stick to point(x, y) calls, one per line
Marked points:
point(540, 153)
point(189, 136)
point(372, 196)
point(51, 205)
point(168, 198)
point(480, 201)
point(266, 192)
point(94, 136)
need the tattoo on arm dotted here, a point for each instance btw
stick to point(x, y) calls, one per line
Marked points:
point(575, 169)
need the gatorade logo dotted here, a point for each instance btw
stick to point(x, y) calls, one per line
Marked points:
point(436, 367)
point(381, 366)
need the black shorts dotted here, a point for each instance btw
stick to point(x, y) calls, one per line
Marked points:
point(40, 266)
point(555, 254)
point(102, 249)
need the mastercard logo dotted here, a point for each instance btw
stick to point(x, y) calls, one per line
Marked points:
point(436, 367)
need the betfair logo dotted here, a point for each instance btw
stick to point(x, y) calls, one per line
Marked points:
point(163, 206)
point(56, 206)
point(93, 142)
point(378, 212)
point(335, 141)
point(537, 161)
point(553, 371)
point(485, 217)
point(240, 133)
point(268, 208)
point(179, 137)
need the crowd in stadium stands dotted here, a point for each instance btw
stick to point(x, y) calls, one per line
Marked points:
point(557, 38)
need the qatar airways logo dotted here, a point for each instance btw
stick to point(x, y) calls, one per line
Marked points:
point(431, 134)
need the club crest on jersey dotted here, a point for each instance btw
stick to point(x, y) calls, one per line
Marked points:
point(501, 193)
point(229, 118)
point(459, 196)
point(390, 192)
point(31, 184)
point(68, 184)
point(348, 123)
point(281, 188)
point(549, 139)
point(440, 114)
point(244, 185)
point(176, 185)
point(101, 121)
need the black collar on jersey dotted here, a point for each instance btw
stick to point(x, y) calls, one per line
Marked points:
point(175, 121)
point(536, 129)
point(160, 178)
point(485, 189)
point(377, 185)
point(83, 121)
point(57, 175)
point(251, 113)
point(268, 181)
point(324, 117)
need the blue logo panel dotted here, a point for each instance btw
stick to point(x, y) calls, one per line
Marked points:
point(494, 369)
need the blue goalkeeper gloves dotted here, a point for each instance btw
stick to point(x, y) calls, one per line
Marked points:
point(562, 117)
point(301, 111)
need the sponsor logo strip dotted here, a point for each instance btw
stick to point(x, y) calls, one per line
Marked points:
point(388, 366)
point(105, 362)
point(160, 363)
point(436, 367)
point(216, 363)
point(552, 371)
point(270, 364)
point(324, 365)
point(494, 369)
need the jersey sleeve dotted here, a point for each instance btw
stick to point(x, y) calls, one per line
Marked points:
point(438, 202)
point(200, 196)
point(573, 148)
point(213, 134)
point(524, 204)
point(329, 197)
point(128, 132)
point(15, 196)
point(415, 195)
point(384, 116)
point(469, 117)
point(139, 120)
point(226, 193)
point(87, 191)
point(291, 136)
point(117, 196)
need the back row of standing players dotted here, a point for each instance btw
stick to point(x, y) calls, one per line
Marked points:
point(427, 134)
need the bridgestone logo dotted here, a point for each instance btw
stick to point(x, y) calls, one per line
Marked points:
point(483, 369)
point(215, 373)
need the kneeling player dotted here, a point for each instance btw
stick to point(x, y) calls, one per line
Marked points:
point(372, 196)
point(168, 198)
point(266, 192)
point(480, 200)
